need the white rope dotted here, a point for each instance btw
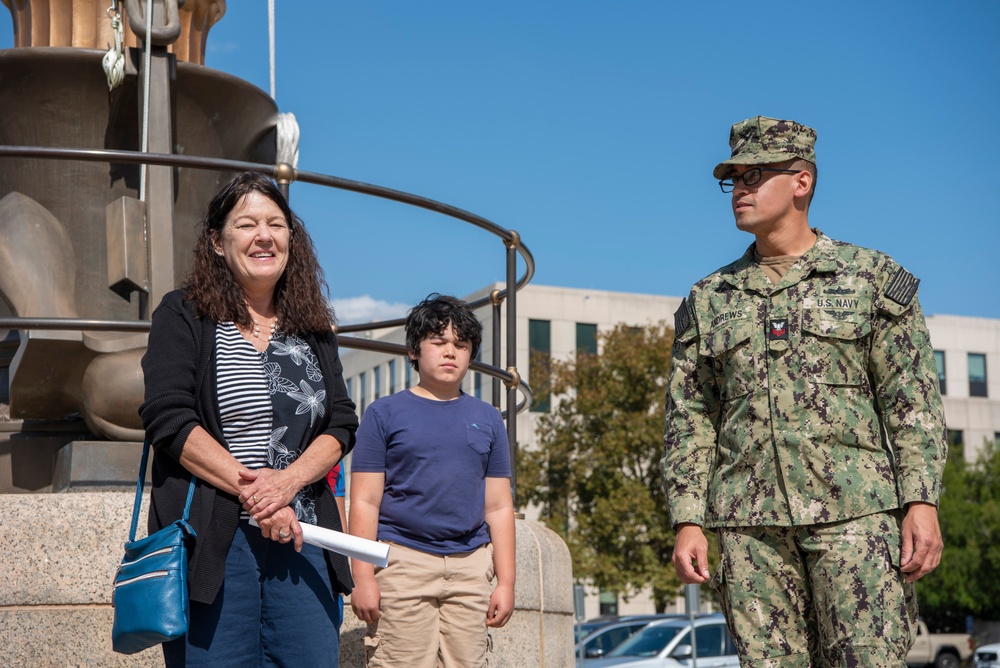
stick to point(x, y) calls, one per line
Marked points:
point(270, 39)
point(145, 98)
point(114, 60)
point(288, 139)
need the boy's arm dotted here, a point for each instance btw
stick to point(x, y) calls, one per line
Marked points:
point(500, 519)
point(366, 499)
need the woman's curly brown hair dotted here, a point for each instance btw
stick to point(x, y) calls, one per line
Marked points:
point(300, 294)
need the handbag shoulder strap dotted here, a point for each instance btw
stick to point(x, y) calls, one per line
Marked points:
point(138, 493)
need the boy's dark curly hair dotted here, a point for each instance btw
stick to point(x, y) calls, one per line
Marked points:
point(433, 315)
point(300, 296)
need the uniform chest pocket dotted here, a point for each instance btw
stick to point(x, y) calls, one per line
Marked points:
point(733, 358)
point(834, 346)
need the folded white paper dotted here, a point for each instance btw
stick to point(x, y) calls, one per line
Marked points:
point(370, 551)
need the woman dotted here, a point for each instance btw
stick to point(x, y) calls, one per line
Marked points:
point(245, 391)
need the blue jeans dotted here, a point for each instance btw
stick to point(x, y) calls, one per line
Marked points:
point(275, 608)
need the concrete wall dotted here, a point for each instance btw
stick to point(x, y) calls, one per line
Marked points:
point(61, 552)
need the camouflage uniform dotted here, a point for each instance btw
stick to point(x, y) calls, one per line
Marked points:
point(794, 411)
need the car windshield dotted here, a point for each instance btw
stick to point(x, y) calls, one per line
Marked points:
point(648, 642)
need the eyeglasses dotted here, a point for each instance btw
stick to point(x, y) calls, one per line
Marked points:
point(751, 177)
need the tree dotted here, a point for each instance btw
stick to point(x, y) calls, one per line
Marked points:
point(969, 512)
point(596, 474)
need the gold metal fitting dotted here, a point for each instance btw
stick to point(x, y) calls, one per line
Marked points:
point(284, 173)
point(495, 297)
point(515, 240)
point(515, 377)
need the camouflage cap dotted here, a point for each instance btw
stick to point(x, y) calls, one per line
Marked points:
point(761, 141)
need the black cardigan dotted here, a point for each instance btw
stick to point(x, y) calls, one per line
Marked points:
point(179, 369)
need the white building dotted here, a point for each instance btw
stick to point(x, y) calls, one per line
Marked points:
point(560, 321)
point(966, 350)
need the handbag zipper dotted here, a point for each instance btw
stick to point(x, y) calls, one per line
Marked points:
point(162, 550)
point(144, 576)
point(138, 578)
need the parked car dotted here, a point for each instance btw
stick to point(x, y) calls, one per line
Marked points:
point(664, 644)
point(987, 656)
point(584, 629)
point(601, 641)
point(939, 650)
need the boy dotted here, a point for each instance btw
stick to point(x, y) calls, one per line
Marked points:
point(431, 476)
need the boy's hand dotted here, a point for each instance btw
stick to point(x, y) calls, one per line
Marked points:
point(501, 606)
point(365, 599)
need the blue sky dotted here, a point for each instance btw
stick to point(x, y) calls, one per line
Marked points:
point(592, 128)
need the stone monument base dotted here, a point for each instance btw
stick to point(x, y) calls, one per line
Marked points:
point(62, 551)
point(38, 456)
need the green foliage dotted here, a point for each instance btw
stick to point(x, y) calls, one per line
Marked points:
point(966, 582)
point(596, 474)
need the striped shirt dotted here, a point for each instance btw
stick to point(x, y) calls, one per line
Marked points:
point(244, 402)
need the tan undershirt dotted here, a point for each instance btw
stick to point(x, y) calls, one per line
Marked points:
point(774, 267)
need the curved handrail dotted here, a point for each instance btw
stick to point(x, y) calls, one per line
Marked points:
point(85, 324)
point(284, 174)
point(284, 171)
point(400, 349)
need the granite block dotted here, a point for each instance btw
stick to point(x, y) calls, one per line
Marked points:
point(62, 551)
point(67, 546)
point(61, 637)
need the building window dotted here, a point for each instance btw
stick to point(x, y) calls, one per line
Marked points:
point(939, 362)
point(378, 381)
point(350, 389)
point(407, 373)
point(609, 603)
point(539, 353)
point(363, 387)
point(977, 375)
point(392, 376)
point(956, 444)
point(586, 338)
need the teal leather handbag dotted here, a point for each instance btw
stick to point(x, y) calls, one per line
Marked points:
point(151, 594)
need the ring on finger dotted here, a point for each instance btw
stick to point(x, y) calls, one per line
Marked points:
point(282, 534)
point(254, 497)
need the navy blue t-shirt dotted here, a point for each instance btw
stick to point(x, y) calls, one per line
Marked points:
point(436, 456)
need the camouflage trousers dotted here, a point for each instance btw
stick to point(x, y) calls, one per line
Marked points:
point(817, 596)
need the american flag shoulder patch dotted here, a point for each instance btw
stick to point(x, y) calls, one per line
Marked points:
point(902, 286)
point(682, 318)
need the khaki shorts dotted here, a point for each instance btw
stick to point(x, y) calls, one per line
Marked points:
point(821, 595)
point(433, 610)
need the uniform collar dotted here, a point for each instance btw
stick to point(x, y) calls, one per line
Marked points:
point(745, 274)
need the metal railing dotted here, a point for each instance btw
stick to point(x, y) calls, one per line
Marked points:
point(284, 174)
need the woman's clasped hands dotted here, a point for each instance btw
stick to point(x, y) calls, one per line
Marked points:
point(267, 495)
